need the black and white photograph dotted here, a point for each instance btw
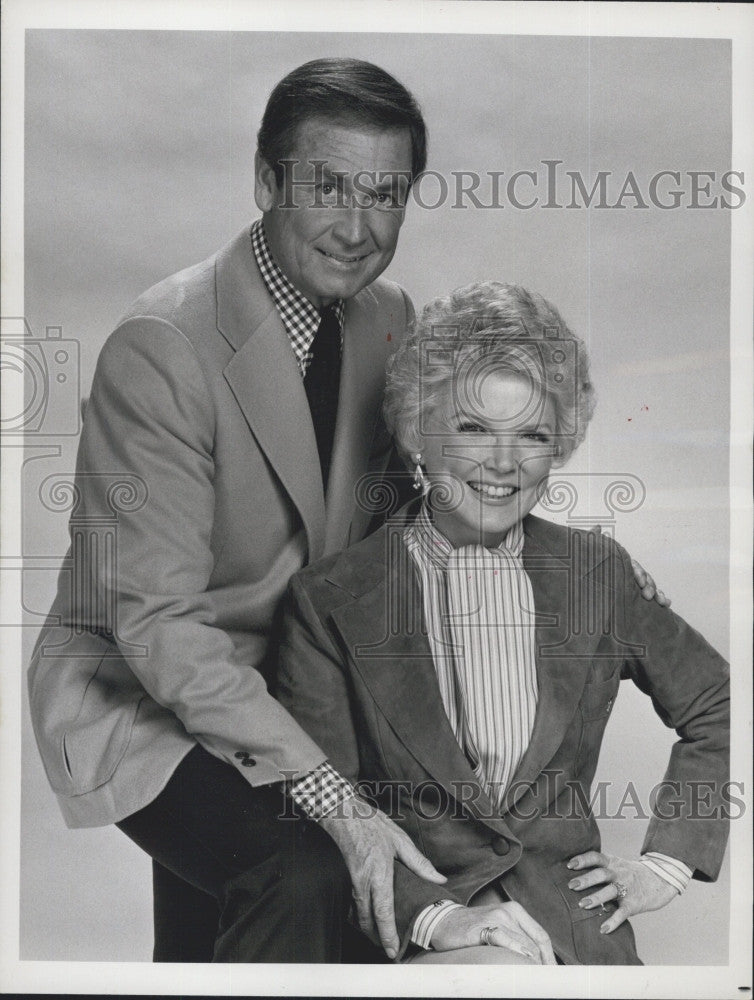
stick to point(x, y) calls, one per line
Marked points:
point(376, 499)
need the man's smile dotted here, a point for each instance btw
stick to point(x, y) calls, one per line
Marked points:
point(341, 258)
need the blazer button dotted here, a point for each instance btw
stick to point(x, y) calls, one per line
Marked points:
point(246, 760)
point(500, 846)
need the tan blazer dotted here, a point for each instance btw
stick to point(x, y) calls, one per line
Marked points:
point(356, 670)
point(198, 493)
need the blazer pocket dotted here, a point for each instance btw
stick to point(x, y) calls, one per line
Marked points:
point(585, 924)
point(591, 947)
point(96, 742)
point(573, 898)
point(597, 699)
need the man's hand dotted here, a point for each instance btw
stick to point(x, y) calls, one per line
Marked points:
point(647, 585)
point(644, 890)
point(511, 925)
point(643, 579)
point(369, 843)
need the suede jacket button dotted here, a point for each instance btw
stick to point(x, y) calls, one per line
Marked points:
point(500, 846)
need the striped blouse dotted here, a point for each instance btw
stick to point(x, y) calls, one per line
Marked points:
point(479, 611)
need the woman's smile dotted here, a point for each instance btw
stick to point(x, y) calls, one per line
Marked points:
point(489, 492)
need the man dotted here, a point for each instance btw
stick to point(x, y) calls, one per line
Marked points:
point(239, 402)
point(242, 398)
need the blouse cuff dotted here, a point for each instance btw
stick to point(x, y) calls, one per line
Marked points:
point(674, 872)
point(427, 921)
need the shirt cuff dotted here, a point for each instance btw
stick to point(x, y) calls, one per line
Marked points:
point(427, 921)
point(674, 872)
point(321, 791)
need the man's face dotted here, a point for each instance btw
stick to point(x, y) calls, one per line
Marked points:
point(335, 233)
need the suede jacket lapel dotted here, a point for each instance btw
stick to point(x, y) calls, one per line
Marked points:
point(385, 632)
point(557, 563)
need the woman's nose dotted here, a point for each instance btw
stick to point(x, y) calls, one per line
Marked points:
point(502, 455)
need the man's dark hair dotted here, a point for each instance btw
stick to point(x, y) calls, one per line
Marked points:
point(348, 90)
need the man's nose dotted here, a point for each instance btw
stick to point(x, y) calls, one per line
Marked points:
point(350, 225)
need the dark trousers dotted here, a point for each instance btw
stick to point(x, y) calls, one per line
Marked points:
point(237, 878)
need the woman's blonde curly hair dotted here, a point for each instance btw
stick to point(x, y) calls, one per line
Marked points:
point(488, 326)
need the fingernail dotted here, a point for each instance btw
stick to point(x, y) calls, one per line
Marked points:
point(574, 884)
point(586, 903)
point(571, 864)
point(604, 929)
point(391, 953)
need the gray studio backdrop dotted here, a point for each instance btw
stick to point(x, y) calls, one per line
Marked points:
point(139, 161)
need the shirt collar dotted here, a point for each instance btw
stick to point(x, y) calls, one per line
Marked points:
point(437, 549)
point(300, 317)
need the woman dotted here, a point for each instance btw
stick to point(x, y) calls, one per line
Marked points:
point(464, 659)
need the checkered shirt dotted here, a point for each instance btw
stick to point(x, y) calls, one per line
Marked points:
point(300, 318)
point(322, 790)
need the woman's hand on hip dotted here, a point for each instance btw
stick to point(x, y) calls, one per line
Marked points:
point(607, 876)
point(508, 925)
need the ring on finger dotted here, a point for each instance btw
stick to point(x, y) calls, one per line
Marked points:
point(620, 890)
point(486, 935)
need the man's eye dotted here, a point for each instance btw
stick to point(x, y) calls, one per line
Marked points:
point(389, 199)
point(468, 427)
point(327, 188)
point(540, 436)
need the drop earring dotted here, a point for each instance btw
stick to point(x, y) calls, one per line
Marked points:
point(420, 480)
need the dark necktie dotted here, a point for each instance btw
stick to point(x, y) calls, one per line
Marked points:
point(321, 382)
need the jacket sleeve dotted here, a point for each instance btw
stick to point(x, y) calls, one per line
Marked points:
point(150, 418)
point(688, 682)
point(313, 684)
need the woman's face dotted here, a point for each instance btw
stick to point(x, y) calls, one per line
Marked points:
point(488, 447)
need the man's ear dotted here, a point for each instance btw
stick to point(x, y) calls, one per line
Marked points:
point(265, 184)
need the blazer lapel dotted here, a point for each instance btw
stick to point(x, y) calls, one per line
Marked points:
point(564, 649)
point(385, 632)
point(358, 407)
point(265, 379)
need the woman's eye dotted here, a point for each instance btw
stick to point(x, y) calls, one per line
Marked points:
point(467, 427)
point(539, 436)
point(328, 188)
